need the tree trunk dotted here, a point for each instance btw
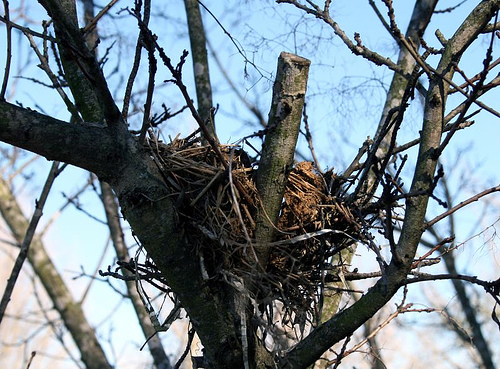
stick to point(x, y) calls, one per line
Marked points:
point(160, 358)
point(279, 145)
point(200, 63)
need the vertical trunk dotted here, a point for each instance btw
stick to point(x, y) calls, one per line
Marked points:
point(160, 358)
point(197, 39)
point(279, 146)
point(420, 18)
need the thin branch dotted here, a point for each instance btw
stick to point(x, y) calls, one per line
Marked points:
point(238, 47)
point(28, 30)
point(400, 310)
point(90, 26)
point(71, 313)
point(70, 200)
point(357, 165)
point(116, 232)
point(54, 325)
point(146, 119)
point(30, 232)
point(310, 139)
point(44, 65)
point(177, 74)
point(137, 56)
point(23, 167)
point(475, 92)
point(78, 55)
point(479, 340)
point(450, 9)
point(424, 277)
point(357, 48)
point(347, 321)
point(191, 334)
point(380, 16)
point(8, 55)
point(461, 205)
point(253, 108)
point(94, 274)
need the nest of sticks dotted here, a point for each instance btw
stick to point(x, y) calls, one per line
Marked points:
point(217, 206)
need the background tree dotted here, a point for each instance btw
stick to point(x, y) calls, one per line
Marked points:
point(256, 250)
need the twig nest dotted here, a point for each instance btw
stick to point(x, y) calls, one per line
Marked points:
point(216, 206)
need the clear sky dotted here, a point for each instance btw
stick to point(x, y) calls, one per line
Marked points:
point(345, 94)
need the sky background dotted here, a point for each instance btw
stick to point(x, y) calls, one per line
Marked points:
point(344, 97)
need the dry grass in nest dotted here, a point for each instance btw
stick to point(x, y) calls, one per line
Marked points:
point(216, 207)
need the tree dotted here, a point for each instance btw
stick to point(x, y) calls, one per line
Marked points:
point(238, 245)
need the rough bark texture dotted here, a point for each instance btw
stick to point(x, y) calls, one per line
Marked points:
point(57, 140)
point(143, 198)
point(279, 145)
point(112, 153)
point(70, 311)
point(343, 324)
point(200, 63)
point(420, 18)
point(160, 358)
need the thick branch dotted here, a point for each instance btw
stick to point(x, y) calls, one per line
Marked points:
point(87, 146)
point(82, 69)
point(152, 215)
point(113, 220)
point(346, 322)
point(114, 155)
point(279, 145)
point(420, 18)
point(200, 63)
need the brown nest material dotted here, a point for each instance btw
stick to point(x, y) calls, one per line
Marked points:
point(217, 205)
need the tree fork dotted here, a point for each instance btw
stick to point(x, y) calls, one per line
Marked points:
point(420, 18)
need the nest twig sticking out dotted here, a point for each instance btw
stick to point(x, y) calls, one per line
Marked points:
point(313, 226)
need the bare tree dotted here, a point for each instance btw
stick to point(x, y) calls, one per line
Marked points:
point(70, 310)
point(258, 251)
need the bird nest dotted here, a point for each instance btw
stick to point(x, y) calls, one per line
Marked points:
point(217, 205)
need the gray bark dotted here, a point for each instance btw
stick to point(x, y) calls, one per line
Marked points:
point(116, 157)
point(70, 311)
point(420, 18)
point(344, 323)
point(279, 145)
point(155, 345)
point(197, 38)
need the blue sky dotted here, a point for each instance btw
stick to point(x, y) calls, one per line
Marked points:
point(340, 119)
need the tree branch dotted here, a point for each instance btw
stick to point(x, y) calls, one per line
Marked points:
point(88, 146)
point(346, 322)
point(200, 63)
point(70, 311)
point(279, 145)
point(79, 61)
point(113, 220)
point(470, 200)
point(28, 237)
